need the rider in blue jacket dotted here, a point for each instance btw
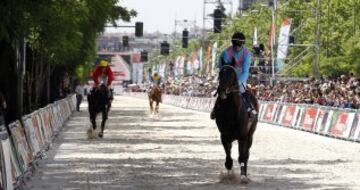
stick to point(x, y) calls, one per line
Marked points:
point(242, 57)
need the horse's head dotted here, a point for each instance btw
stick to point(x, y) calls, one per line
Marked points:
point(103, 90)
point(227, 81)
point(101, 95)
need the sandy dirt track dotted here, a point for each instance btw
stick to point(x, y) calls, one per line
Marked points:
point(181, 150)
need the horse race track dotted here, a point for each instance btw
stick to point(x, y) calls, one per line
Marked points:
point(181, 150)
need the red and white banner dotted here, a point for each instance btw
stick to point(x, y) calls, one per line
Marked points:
point(342, 125)
point(22, 147)
point(31, 134)
point(269, 112)
point(289, 116)
point(309, 118)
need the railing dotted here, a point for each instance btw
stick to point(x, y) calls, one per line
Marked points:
point(28, 139)
point(328, 121)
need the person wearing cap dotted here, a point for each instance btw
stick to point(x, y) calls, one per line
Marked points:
point(103, 74)
point(156, 79)
point(238, 53)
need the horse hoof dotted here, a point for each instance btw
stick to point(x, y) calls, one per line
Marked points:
point(244, 179)
point(101, 134)
point(89, 133)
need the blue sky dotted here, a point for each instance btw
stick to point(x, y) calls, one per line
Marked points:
point(160, 15)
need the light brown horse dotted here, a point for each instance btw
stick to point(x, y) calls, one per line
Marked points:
point(154, 96)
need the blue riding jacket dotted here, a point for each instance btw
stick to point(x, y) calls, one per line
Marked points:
point(242, 62)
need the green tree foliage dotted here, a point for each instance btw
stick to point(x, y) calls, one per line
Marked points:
point(60, 36)
point(339, 33)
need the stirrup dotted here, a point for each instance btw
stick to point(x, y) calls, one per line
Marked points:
point(252, 112)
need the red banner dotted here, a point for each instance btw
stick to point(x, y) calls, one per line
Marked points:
point(309, 118)
point(268, 112)
point(289, 115)
point(340, 125)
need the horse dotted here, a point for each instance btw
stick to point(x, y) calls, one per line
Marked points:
point(154, 96)
point(233, 120)
point(98, 101)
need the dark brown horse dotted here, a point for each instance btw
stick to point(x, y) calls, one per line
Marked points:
point(232, 119)
point(99, 102)
point(154, 96)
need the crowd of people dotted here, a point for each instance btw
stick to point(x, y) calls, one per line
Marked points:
point(191, 86)
point(342, 92)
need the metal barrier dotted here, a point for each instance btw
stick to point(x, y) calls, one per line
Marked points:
point(328, 121)
point(28, 141)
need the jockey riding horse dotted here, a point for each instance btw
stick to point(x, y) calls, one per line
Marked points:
point(101, 95)
point(241, 57)
point(155, 92)
point(236, 108)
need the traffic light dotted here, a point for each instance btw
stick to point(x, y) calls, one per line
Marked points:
point(139, 26)
point(185, 38)
point(125, 41)
point(143, 56)
point(218, 15)
point(291, 39)
point(164, 48)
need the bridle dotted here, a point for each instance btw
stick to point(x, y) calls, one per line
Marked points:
point(232, 89)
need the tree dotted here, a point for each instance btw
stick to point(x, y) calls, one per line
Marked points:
point(60, 37)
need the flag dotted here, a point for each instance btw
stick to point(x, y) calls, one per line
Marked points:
point(255, 37)
point(207, 60)
point(213, 58)
point(283, 43)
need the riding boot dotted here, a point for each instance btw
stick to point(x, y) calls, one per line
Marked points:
point(249, 106)
point(212, 114)
point(213, 111)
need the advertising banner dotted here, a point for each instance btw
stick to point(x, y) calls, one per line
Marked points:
point(8, 177)
point(341, 124)
point(269, 112)
point(283, 43)
point(309, 118)
point(322, 118)
point(355, 132)
point(45, 120)
point(289, 116)
point(278, 111)
point(31, 135)
point(25, 155)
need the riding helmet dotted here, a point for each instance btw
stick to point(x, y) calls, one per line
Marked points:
point(238, 39)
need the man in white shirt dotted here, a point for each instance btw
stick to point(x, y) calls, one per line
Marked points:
point(79, 90)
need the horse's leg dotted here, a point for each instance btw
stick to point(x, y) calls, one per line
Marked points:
point(157, 107)
point(227, 147)
point(103, 122)
point(243, 159)
point(93, 120)
point(151, 106)
point(93, 123)
point(109, 105)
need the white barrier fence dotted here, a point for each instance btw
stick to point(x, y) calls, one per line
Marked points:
point(29, 139)
point(328, 121)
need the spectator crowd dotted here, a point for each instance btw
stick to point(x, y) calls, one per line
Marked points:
point(342, 92)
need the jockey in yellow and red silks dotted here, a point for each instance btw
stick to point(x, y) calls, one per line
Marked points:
point(156, 79)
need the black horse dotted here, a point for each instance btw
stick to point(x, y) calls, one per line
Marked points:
point(232, 119)
point(99, 101)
